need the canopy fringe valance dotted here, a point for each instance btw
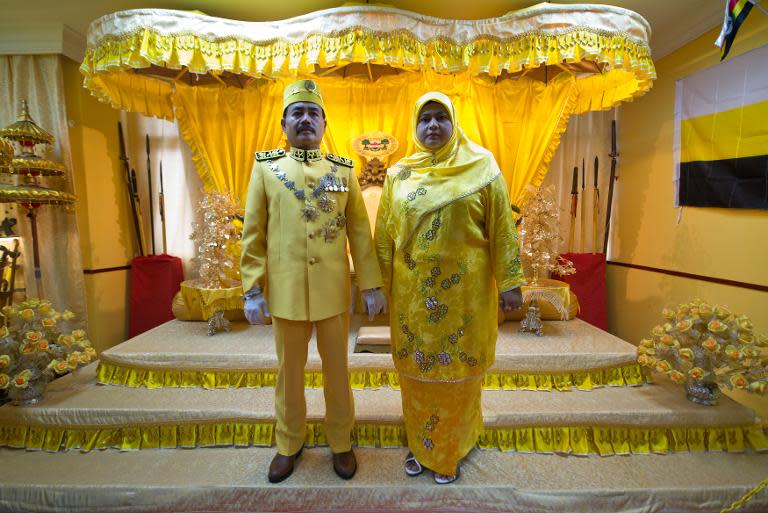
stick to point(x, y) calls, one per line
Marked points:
point(582, 40)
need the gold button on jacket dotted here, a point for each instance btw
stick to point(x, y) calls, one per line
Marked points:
point(295, 248)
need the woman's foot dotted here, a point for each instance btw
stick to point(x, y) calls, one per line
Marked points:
point(412, 465)
point(446, 479)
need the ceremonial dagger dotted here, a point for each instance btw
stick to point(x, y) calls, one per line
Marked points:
point(574, 206)
point(595, 210)
point(129, 183)
point(583, 205)
point(611, 179)
point(151, 213)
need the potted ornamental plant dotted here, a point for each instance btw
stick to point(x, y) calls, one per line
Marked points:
point(36, 347)
point(704, 346)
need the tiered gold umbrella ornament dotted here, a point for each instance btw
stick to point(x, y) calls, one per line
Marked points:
point(29, 166)
point(539, 240)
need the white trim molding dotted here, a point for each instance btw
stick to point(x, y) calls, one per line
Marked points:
point(41, 38)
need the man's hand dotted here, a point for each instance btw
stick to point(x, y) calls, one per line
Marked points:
point(256, 311)
point(374, 301)
point(511, 300)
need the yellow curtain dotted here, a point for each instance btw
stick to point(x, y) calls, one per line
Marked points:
point(224, 126)
point(520, 121)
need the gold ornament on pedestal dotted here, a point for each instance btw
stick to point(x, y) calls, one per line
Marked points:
point(216, 234)
point(703, 346)
point(216, 238)
point(539, 240)
point(31, 166)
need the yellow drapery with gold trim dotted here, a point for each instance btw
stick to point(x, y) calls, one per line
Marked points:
point(519, 121)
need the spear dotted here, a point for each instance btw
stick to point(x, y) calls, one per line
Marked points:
point(583, 205)
point(611, 179)
point(161, 208)
point(151, 213)
point(595, 210)
point(574, 206)
point(129, 182)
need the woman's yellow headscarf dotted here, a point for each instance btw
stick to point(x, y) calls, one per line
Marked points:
point(428, 180)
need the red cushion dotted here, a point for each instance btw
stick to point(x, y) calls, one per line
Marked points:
point(155, 279)
point(589, 286)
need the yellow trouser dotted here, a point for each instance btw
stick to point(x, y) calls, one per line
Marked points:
point(292, 341)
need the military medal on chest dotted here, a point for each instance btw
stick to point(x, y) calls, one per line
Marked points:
point(319, 198)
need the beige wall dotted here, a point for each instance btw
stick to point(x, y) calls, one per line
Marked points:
point(102, 210)
point(721, 243)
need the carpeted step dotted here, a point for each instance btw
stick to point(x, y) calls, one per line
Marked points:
point(571, 354)
point(228, 480)
point(77, 413)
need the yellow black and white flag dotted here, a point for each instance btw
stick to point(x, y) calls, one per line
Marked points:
point(721, 134)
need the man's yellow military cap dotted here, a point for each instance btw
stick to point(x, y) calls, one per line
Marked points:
point(302, 91)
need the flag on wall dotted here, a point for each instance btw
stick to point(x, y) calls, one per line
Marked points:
point(721, 134)
point(736, 12)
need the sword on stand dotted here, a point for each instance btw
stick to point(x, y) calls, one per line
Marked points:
point(595, 210)
point(161, 208)
point(149, 185)
point(611, 180)
point(582, 228)
point(129, 181)
point(136, 200)
point(574, 206)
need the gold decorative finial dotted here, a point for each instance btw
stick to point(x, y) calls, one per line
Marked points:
point(25, 130)
point(24, 114)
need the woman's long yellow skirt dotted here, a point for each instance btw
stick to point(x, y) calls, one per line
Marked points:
point(443, 420)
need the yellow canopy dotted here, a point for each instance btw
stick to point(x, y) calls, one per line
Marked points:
point(558, 59)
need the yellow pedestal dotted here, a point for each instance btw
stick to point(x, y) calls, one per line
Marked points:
point(193, 303)
point(556, 301)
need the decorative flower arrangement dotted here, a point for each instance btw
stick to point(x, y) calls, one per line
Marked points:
point(704, 346)
point(35, 348)
point(216, 234)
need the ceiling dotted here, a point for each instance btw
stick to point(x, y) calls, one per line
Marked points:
point(674, 22)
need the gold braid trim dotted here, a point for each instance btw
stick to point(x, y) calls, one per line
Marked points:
point(746, 498)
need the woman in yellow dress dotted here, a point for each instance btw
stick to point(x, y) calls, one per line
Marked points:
point(446, 242)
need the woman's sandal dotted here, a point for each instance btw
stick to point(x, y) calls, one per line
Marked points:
point(412, 465)
point(445, 479)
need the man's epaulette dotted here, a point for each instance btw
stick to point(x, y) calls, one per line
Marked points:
point(344, 161)
point(270, 154)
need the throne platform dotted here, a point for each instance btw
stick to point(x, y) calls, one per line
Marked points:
point(175, 421)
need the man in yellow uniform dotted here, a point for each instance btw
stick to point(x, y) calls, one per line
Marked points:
point(302, 207)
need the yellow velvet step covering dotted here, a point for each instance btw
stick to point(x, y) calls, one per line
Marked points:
point(78, 414)
point(629, 375)
point(235, 479)
point(571, 354)
point(576, 440)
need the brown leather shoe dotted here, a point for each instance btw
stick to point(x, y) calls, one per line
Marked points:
point(281, 467)
point(345, 464)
